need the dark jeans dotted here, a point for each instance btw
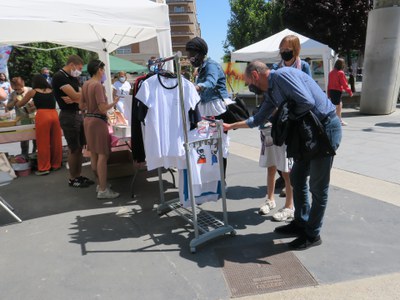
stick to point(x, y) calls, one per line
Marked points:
point(310, 215)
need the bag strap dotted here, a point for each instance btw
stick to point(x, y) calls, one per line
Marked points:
point(233, 91)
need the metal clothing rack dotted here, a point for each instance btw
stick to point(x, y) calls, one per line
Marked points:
point(206, 226)
point(9, 209)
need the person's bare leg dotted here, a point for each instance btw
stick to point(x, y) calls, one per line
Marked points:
point(93, 165)
point(339, 110)
point(102, 171)
point(289, 190)
point(271, 172)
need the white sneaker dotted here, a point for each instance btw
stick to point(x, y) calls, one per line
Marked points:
point(98, 187)
point(284, 214)
point(266, 208)
point(107, 194)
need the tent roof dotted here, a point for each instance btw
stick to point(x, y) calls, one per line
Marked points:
point(101, 26)
point(118, 64)
point(91, 24)
point(268, 49)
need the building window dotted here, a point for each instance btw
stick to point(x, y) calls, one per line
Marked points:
point(124, 50)
point(179, 9)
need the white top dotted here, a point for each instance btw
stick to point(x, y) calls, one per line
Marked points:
point(205, 167)
point(124, 105)
point(212, 108)
point(163, 131)
point(6, 86)
point(272, 155)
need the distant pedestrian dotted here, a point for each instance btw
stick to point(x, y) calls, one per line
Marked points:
point(352, 80)
point(337, 83)
point(123, 88)
point(46, 74)
point(5, 84)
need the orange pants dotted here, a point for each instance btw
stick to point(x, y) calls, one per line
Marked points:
point(48, 139)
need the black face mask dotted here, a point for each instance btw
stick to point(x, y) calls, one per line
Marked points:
point(196, 61)
point(286, 56)
point(255, 90)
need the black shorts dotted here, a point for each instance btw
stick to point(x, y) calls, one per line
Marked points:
point(336, 96)
point(72, 125)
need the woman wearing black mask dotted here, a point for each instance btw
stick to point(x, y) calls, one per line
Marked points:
point(289, 49)
point(210, 81)
point(274, 157)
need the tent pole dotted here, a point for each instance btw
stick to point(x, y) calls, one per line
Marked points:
point(105, 58)
point(165, 47)
point(326, 60)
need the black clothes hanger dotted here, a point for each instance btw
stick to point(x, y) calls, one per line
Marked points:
point(167, 76)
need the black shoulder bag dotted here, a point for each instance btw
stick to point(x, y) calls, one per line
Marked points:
point(236, 111)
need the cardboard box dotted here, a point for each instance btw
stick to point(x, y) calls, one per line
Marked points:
point(120, 164)
point(121, 131)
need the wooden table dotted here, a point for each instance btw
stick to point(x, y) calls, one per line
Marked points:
point(17, 133)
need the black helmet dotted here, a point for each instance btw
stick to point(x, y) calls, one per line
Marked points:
point(198, 45)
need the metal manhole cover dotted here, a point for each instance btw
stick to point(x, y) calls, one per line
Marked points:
point(262, 268)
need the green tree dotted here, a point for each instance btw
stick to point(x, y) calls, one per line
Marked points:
point(252, 21)
point(26, 62)
point(340, 24)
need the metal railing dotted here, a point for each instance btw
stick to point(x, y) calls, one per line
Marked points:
point(178, 1)
point(182, 33)
point(180, 22)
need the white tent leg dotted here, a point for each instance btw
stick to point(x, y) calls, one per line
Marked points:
point(165, 47)
point(105, 58)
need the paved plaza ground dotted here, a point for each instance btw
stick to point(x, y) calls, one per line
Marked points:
point(72, 246)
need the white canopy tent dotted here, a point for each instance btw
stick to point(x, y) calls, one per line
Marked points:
point(267, 50)
point(96, 25)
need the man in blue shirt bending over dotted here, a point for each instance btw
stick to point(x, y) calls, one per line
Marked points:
point(278, 86)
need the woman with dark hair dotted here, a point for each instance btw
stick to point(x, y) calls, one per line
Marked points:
point(94, 100)
point(5, 84)
point(337, 82)
point(210, 82)
point(47, 125)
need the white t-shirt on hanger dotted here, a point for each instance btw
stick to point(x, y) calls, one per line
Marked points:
point(163, 135)
point(205, 167)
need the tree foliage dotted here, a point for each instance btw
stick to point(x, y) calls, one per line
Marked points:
point(26, 62)
point(341, 24)
point(251, 21)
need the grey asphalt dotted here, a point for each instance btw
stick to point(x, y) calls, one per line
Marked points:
point(72, 246)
